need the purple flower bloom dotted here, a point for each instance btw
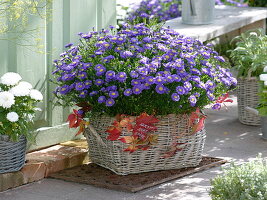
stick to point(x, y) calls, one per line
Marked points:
point(192, 100)
point(93, 93)
point(99, 82)
point(101, 99)
point(83, 93)
point(187, 86)
point(150, 80)
point(175, 97)
point(110, 102)
point(128, 92)
point(216, 106)
point(80, 112)
point(133, 74)
point(68, 45)
point(110, 74)
point(82, 75)
point(137, 89)
point(160, 89)
point(107, 59)
point(67, 77)
point(100, 71)
point(126, 54)
point(113, 94)
point(135, 82)
point(79, 86)
point(143, 71)
point(180, 90)
point(64, 89)
point(210, 96)
point(209, 84)
point(219, 58)
point(87, 84)
point(121, 76)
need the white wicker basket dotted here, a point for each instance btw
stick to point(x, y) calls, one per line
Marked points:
point(111, 155)
point(247, 96)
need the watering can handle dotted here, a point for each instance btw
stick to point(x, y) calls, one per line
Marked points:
point(192, 7)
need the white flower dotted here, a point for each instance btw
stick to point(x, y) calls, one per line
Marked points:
point(6, 99)
point(10, 78)
point(36, 95)
point(263, 77)
point(12, 116)
point(265, 69)
point(19, 91)
point(25, 85)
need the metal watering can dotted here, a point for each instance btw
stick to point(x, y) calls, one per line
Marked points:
point(198, 11)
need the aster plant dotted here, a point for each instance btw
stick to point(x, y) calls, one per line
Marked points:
point(17, 106)
point(155, 10)
point(140, 69)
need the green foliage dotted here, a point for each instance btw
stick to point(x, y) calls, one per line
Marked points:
point(245, 182)
point(15, 18)
point(250, 54)
point(257, 3)
point(262, 107)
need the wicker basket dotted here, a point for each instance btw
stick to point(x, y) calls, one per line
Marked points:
point(12, 154)
point(247, 96)
point(110, 154)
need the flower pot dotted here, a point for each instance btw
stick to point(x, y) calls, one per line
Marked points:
point(247, 96)
point(193, 11)
point(264, 127)
point(170, 129)
point(12, 154)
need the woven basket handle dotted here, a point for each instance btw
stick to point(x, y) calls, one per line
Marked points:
point(98, 138)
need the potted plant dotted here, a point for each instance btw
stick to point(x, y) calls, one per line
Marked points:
point(142, 90)
point(17, 108)
point(249, 59)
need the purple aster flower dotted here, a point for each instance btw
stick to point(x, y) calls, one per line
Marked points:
point(210, 96)
point(83, 93)
point(169, 79)
point(160, 89)
point(219, 58)
point(93, 93)
point(100, 71)
point(195, 71)
point(137, 89)
point(110, 74)
point(113, 94)
point(210, 84)
point(98, 66)
point(67, 77)
point(80, 112)
point(99, 82)
point(192, 100)
point(87, 84)
point(216, 106)
point(68, 45)
point(150, 80)
point(107, 59)
point(180, 90)
point(128, 92)
point(176, 78)
point(134, 74)
point(143, 71)
point(135, 82)
point(175, 97)
point(160, 80)
point(126, 54)
point(64, 89)
point(101, 99)
point(187, 86)
point(121, 76)
point(205, 54)
point(79, 86)
point(110, 102)
point(82, 75)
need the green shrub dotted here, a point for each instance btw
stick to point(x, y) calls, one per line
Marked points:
point(250, 54)
point(245, 182)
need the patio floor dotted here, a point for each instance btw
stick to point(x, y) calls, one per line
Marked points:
point(226, 138)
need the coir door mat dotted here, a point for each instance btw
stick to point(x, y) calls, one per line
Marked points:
point(95, 175)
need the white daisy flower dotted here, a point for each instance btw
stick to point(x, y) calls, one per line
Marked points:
point(10, 78)
point(12, 116)
point(36, 95)
point(19, 91)
point(25, 84)
point(6, 99)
